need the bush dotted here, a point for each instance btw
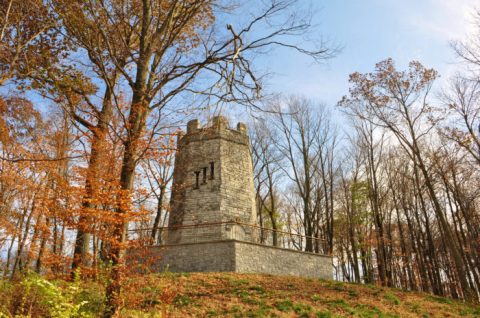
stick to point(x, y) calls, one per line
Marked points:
point(34, 296)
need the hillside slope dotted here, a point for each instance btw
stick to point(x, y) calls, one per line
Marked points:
point(242, 295)
point(220, 295)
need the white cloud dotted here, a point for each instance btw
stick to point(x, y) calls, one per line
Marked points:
point(446, 19)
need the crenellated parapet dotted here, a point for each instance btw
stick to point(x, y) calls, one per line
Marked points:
point(217, 122)
point(219, 127)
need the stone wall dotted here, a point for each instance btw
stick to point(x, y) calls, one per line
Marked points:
point(240, 257)
point(255, 258)
point(195, 257)
point(237, 187)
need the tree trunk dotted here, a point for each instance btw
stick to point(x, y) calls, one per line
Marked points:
point(137, 119)
point(99, 134)
point(158, 217)
point(450, 241)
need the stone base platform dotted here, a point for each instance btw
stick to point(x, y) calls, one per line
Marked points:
point(239, 257)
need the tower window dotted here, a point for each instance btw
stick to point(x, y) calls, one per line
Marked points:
point(204, 175)
point(212, 170)
point(197, 177)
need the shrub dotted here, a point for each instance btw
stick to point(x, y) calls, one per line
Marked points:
point(34, 296)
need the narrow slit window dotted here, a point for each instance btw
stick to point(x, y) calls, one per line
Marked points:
point(205, 175)
point(212, 170)
point(197, 179)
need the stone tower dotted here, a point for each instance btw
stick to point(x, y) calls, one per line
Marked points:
point(212, 184)
point(212, 222)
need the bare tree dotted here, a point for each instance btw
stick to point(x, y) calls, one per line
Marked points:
point(304, 137)
point(267, 175)
point(398, 101)
point(462, 100)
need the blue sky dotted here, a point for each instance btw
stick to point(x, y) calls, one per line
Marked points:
point(370, 31)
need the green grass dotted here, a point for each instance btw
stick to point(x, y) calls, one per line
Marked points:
point(392, 298)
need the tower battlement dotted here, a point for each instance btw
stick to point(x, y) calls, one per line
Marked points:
point(212, 181)
point(218, 123)
point(219, 127)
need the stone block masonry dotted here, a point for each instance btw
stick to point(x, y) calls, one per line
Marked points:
point(212, 180)
point(255, 258)
point(240, 257)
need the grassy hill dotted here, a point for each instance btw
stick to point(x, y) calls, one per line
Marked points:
point(235, 295)
point(241, 295)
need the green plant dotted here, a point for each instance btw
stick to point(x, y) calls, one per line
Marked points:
point(392, 298)
point(301, 309)
point(441, 300)
point(39, 294)
point(182, 300)
point(284, 305)
point(340, 303)
point(367, 311)
point(259, 289)
point(287, 305)
point(352, 293)
point(323, 314)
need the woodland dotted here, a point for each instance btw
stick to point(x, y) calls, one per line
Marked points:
point(93, 94)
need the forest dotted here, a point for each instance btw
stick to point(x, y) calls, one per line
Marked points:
point(94, 93)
